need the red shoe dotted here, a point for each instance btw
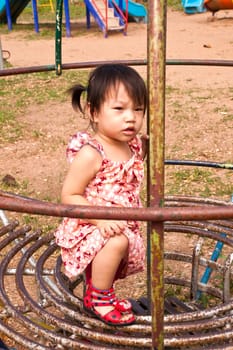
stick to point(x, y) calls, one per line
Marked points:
point(98, 297)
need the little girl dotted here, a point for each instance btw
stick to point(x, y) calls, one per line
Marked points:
point(106, 170)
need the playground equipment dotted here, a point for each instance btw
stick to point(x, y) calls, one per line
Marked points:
point(54, 318)
point(11, 9)
point(136, 10)
point(193, 6)
point(107, 14)
point(110, 16)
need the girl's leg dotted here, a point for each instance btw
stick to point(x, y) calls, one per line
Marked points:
point(104, 268)
point(107, 261)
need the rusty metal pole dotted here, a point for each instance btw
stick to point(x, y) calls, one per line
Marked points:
point(156, 41)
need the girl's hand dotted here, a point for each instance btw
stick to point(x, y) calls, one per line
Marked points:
point(110, 228)
point(144, 140)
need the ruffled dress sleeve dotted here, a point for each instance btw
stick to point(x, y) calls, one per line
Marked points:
point(79, 140)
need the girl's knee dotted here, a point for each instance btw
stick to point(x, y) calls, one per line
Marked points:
point(119, 242)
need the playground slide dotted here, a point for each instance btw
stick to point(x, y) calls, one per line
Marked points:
point(136, 11)
point(16, 7)
point(99, 14)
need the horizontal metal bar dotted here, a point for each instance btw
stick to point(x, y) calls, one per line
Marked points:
point(138, 62)
point(195, 163)
point(157, 214)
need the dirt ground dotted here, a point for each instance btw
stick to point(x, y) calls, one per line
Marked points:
point(199, 36)
point(206, 137)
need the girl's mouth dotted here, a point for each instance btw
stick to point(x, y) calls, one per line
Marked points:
point(129, 131)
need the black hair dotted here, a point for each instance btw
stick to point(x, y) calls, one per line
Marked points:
point(102, 79)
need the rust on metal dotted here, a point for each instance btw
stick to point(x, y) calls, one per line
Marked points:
point(55, 317)
point(175, 213)
point(156, 50)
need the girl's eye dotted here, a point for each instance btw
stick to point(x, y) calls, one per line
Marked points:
point(118, 108)
point(139, 109)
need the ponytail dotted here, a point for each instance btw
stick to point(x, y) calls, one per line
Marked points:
point(76, 92)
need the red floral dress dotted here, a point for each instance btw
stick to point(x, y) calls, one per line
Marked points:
point(116, 184)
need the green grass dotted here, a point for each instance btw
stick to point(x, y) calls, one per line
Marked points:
point(175, 5)
point(20, 91)
point(196, 181)
point(46, 14)
point(47, 18)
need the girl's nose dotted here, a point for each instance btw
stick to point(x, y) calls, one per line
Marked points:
point(130, 115)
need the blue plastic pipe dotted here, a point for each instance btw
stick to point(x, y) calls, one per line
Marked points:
point(8, 14)
point(35, 15)
point(214, 257)
point(67, 16)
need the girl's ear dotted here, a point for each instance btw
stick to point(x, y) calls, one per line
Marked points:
point(94, 116)
point(88, 108)
point(88, 112)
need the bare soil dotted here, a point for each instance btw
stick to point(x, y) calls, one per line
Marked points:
point(199, 36)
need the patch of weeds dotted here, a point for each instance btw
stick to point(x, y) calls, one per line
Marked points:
point(197, 181)
point(222, 109)
point(47, 19)
point(3, 29)
point(37, 133)
point(177, 291)
point(228, 118)
point(173, 291)
point(45, 224)
point(178, 112)
point(11, 186)
point(200, 99)
point(30, 220)
point(206, 300)
point(191, 155)
point(223, 188)
point(6, 117)
point(29, 90)
point(175, 5)
point(171, 89)
point(10, 130)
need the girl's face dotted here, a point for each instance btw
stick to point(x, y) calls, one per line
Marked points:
point(119, 118)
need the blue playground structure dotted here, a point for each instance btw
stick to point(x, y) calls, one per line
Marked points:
point(119, 11)
point(136, 11)
point(193, 6)
point(15, 7)
point(10, 10)
point(197, 6)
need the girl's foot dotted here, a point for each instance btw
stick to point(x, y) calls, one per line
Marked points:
point(104, 305)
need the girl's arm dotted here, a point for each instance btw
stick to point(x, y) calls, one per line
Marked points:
point(83, 169)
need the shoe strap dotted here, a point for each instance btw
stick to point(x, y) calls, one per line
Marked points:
point(101, 297)
point(107, 297)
